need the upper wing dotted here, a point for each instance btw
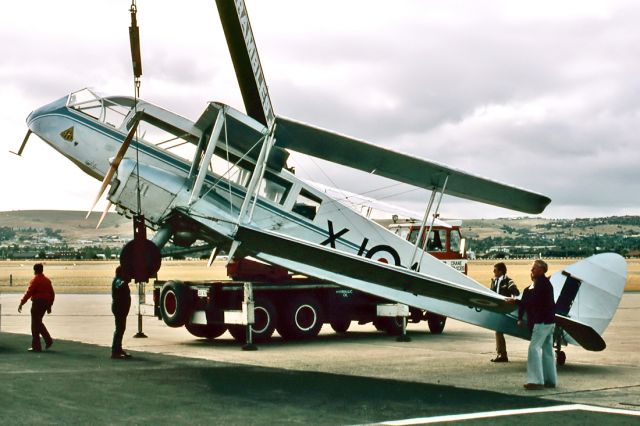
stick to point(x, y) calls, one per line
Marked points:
point(360, 273)
point(422, 173)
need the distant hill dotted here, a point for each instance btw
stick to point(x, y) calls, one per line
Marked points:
point(491, 237)
point(528, 236)
point(70, 224)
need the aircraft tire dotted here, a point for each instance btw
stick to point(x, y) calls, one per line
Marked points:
point(209, 331)
point(436, 323)
point(266, 318)
point(301, 318)
point(561, 358)
point(340, 325)
point(175, 304)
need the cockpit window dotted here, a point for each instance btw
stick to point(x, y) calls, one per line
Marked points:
point(177, 144)
point(306, 204)
point(102, 109)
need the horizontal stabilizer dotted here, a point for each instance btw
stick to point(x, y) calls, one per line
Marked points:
point(400, 167)
point(586, 336)
point(360, 273)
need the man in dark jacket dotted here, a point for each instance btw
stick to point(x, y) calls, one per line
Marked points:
point(504, 286)
point(539, 304)
point(41, 293)
point(121, 302)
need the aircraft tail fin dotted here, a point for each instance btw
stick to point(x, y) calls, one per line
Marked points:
point(588, 293)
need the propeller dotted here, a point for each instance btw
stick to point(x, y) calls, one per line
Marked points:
point(116, 162)
point(104, 214)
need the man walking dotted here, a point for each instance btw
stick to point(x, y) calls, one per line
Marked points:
point(41, 293)
point(120, 304)
point(538, 302)
point(504, 286)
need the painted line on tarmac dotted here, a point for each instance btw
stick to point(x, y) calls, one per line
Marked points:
point(491, 414)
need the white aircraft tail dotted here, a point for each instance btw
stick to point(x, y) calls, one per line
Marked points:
point(589, 292)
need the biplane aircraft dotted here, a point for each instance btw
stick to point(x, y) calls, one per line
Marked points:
point(224, 179)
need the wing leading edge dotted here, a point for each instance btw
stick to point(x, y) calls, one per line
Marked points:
point(401, 167)
point(358, 272)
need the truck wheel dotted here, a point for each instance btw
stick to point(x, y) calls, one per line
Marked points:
point(209, 331)
point(390, 325)
point(265, 323)
point(301, 318)
point(341, 325)
point(378, 324)
point(436, 323)
point(175, 304)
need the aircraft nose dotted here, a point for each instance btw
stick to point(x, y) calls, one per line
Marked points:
point(36, 115)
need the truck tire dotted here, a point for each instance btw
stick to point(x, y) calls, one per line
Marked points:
point(266, 319)
point(301, 318)
point(208, 331)
point(436, 323)
point(175, 304)
point(390, 325)
point(340, 325)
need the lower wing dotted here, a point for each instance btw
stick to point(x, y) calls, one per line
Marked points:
point(360, 273)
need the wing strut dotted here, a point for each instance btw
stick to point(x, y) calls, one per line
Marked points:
point(256, 178)
point(206, 158)
point(424, 221)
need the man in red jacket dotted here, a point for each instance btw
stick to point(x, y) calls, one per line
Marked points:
point(41, 293)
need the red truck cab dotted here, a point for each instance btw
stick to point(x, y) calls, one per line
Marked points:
point(444, 242)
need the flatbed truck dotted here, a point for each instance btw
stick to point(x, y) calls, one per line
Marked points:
point(269, 299)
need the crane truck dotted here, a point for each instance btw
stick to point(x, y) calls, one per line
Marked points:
point(267, 298)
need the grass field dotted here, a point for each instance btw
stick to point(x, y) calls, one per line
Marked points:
point(96, 276)
point(519, 270)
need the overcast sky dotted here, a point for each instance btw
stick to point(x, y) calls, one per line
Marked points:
point(543, 95)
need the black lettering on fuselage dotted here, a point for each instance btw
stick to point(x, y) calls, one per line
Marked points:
point(333, 237)
point(363, 247)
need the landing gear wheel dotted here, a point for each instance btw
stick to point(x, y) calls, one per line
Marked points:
point(561, 358)
point(391, 325)
point(340, 325)
point(264, 326)
point(436, 323)
point(301, 318)
point(175, 304)
point(208, 331)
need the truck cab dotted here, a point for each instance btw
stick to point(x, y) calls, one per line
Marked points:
point(445, 241)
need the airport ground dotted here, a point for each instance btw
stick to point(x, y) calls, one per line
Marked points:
point(360, 377)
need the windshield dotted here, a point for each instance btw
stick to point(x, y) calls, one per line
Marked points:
point(111, 111)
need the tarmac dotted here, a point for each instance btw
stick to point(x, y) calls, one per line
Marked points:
point(361, 377)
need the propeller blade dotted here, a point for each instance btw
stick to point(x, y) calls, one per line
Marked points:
point(104, 214)
point(214, 254)
point(116, 161)
point(24, 142)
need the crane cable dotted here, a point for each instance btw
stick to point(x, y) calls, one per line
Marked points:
point(134, 41)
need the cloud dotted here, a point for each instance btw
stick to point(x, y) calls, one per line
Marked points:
point(535, 93)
